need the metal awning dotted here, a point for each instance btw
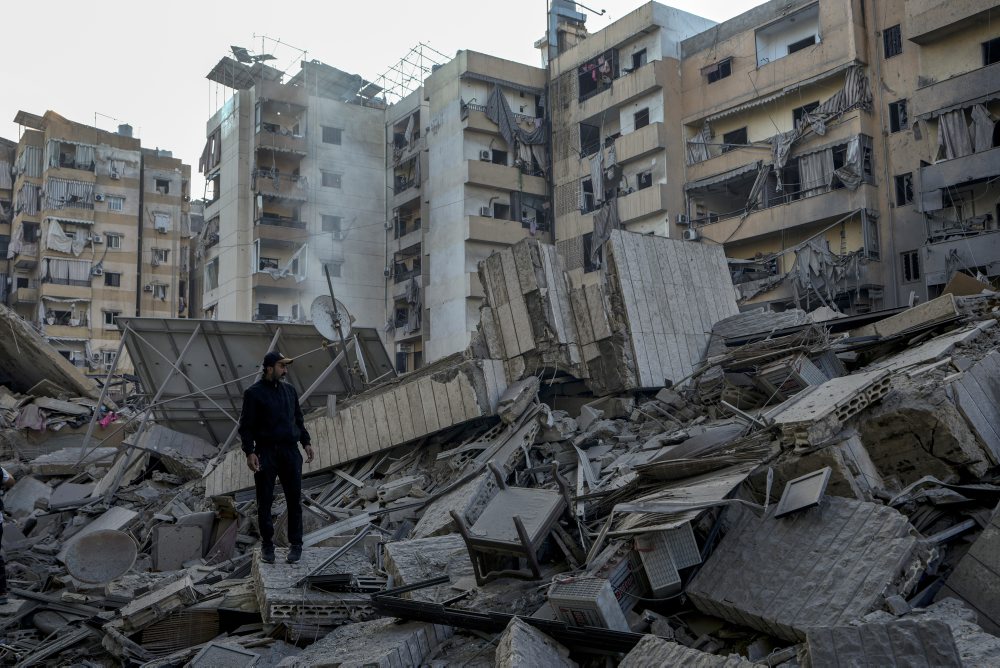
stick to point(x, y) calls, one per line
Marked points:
point(218, 360)
point(982, 99)
point(724, 176)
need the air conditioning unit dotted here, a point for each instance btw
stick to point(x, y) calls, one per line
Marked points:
point(388, 224)
point(404, 347)
point(97, 271)
point(97, 239)
point(691, 234)
point(115, 175)
point(162, 229)
point(485, 212)
point(682, 219)
point(147, 288)
point(485, 155)
point(98, 197)
point(387, 272)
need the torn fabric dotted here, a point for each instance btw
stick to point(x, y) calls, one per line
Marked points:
point(499, 111)
point(697, 146)
point(954, 140)
point(605, 220)
point(816, 172)
point(852, 173)
point(982, 129)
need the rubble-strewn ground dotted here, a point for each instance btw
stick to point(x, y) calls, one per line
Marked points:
point(653, 527)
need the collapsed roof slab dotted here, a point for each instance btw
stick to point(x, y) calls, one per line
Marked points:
point(26, 359)
point(444, 394)
point(826, 566)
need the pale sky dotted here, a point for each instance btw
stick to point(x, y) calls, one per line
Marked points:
point(141, 63)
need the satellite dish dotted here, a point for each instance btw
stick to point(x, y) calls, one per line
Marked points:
point(325, 314)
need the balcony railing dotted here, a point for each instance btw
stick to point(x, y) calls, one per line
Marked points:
point(72, 204)
point(262, 317)
point(278, 221)
point(402, 184)
point(67, 281)
point(405, 274)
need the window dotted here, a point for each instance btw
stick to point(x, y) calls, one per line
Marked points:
point(588, 244)
point(160, 291)
point(418, 359)
point(115, 203)
point(401, 362)
point(161, 221)
point(911, 266)
point(498, 157)
point(799, 112)
point(641, 118)
point(590, 139)
point(801, 44)
point(719, 70)
point(31, 232)
point(331, 180)
point(212, 275)
point(892, 41)
point(991, 51)
point(160, 256)
point(333, 267)
point(114, 241)
point(734, 139)
point(898, 119)
point(638, 59)
point(108, 358)
point(596, 74)
point(332, 224)
point(112, 280)
point(904, 189)
point(265, 263)
point(588, 196)
point(111, 318)
point(643, 180)
point(163, 186)
point(501, 211)
point(332, 135)
point(267, 311)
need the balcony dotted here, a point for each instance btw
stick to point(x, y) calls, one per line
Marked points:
point(960, 252)
point(954, 91)
point(67, 331)
point(263, 280)
point(28, 257)
point(627, 88)
point(474, 118)
point(65, 288)
point(265, 317)
point(642, 203)
point(947, 173)
point(280, 230)
point(495, 231)
point(830, 205)
point(489, 175)
point(407, 240)
point(281, 141)
point(281, 185)
point(641, 142)
point(929, 20)
point(274, 92)
point(24, 296)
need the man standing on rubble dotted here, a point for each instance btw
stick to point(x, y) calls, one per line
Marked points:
point(6, 482)
point(271, 427)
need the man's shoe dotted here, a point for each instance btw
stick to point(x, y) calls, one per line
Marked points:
point(267, 554)
point(294, 553)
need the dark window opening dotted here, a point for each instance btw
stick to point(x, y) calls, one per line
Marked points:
point(596, 74)
point(904, 189)
point(590, 139)
point(638, 59)
point(588, 196)
point(499, 157)
point(799, 112)
point(801, 44)
point(23, 282)
point(112, 280)
point(911, 266)
point(991, 51)
point(331, 180)
point(643, 180)
point(401, 362)
point(418, 360)
point(163, 186)
point(641, 118)
point(892, 41)
point(898, 119)
point(734, 139)
point(332, 224)
point(720, 70)
point(267, 311)
point(31, 232)
point(501, 211)
point(588, 244)
point(332, 135)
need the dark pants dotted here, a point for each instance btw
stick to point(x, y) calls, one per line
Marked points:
point(285, 463)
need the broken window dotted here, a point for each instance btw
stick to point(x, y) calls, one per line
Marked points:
point(641, 118)
point(112, 279)
point(904, 189)
point(265, 263)
point(911, 266)
point(331, 179)
point(898, 119)
point(719, 70)
point(498, 157)
point(163, 186)
point(596, 74)
point(590, 139)
point(734, 139)
point(332, 135)
point(801, 44)
point(643, 180)
point(991, 51)
point(799, 112)
point(638, 59)
point(587, 198)
point(160, 291)
point(160, 256)
point(266, 311)
point(332, 224)
point(111, 318)
point(401, 361)
point(588, 262)
point(892, 41)
point(501, 211)
point(31, 232)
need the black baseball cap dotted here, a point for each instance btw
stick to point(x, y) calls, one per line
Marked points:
point(274, 357)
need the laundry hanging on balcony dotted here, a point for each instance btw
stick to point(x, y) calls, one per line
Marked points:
point(58, 240)
point(520, 141)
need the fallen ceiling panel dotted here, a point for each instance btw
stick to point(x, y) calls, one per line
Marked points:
point(219, 362)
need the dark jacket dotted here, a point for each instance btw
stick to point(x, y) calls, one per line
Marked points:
point(271, 417)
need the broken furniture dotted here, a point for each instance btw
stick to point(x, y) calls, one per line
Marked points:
point(515, 523)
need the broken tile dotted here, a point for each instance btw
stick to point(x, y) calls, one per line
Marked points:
point(523, 645)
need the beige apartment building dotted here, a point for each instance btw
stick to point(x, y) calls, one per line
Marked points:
point(467, 160)
point(99, 229)
point(8, 150)
point(296, 184)
point(618, 157)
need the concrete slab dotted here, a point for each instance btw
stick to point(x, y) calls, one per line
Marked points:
point(22, 497)
point(157, 604)
point(221, 655)
point(468, 500)
point(69, 493)
point(936, 310)
point(173, 545)
point(901, 644)
point(654, 651)
point(523, 645)
point(412, 561)
point(380, 643)
point(825, 566)
point(67, 461)
point(976, 578)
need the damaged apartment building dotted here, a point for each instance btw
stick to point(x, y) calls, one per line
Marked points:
point(842, 153)
point(96, 227)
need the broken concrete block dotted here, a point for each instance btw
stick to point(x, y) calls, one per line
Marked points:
point(182, 454)
point(20, 500)
point(975, 646)
point(397, 489)
point(976, 578)
point(174, 545)
point(148, 608)
point(114, 518)
point(653, 651)
point(100, 556)
point(413, 561)
point(936, 310)
point(379, 643)
point(69, 493)
point(588, 415)
point(523, 645)
point(977, 395)
point(469, 500)
point(218, 655)
point(67, 461)
point(821, 567)
point(518, 396)
point(899, 644)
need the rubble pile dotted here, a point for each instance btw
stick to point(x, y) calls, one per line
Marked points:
point(811, 491)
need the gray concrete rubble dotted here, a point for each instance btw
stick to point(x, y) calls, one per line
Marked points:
point(596, 480)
